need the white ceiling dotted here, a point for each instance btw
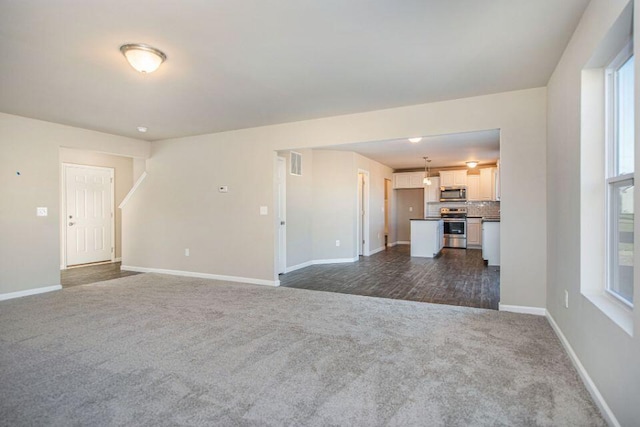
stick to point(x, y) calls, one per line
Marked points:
point(443, 150)
point(244, 63)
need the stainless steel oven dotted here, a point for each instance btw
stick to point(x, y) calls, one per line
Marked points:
point(455, 227)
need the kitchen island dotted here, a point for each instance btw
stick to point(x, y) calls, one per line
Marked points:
point(491, 240)
point(427, 237)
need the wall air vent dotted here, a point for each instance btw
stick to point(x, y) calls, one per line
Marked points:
point(296, 163)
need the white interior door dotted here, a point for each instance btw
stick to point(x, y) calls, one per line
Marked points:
point(88, 214)
point(282, 214)
point(361, 213)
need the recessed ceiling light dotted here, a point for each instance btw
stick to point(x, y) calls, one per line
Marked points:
point(472, 164)
point(142, 129)
point(142, 57)
point(414, 140)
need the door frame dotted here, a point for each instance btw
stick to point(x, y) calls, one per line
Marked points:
point(281, 201)
point(362, 221)
point(63, 209)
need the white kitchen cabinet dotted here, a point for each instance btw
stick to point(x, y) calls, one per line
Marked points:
point(474, 232)
point(432, 192)
point(473, 187)
point(408, 180)
point(491, 242)
point(488, 184)
point(427, 237)
point(497, 175)
point(455, 178)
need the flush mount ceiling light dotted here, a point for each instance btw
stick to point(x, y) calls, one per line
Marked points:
point(142, 57)
point(426, 180)
point(472, 164)
point(142, 129)
point(414, 140)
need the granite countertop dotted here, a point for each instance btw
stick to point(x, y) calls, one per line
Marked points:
point(491, 219)
point(429, 218)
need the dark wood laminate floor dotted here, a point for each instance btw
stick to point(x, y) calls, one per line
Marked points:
point(457, 277)
point(92, 273)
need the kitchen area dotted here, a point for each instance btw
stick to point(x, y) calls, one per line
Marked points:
point(457, 209)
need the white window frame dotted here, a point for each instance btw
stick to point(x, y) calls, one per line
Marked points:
point(612, 179)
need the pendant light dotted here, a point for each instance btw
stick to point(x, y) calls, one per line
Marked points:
point(426, 180)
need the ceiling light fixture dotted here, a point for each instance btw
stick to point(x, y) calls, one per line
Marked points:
point(142, 57)
point(472, 164)
point(142, 129)
point(426, 180)
point(416, 139)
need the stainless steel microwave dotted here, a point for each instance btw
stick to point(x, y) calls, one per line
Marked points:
point(453, 194)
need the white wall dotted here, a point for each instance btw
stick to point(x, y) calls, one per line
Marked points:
point(177, 204)
point(30, 245)
point(609, 355)
point(123, 174)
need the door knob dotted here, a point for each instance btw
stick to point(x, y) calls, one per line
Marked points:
point(71, 223)
point(281, 222)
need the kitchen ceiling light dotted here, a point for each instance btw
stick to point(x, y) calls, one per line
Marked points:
point(142, 129)
point(426, 180)
point(472, 164)
point(142, 57)
point(414, 140)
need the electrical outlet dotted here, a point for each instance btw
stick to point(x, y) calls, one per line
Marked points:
point(410, 208)
point(566, 299)
point(41, 212)
point(186, 252)
point(337, 242)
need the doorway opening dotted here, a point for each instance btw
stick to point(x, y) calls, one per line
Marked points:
point(281, 214)
point(88, 217)
point(363, 213)
point(387, 213)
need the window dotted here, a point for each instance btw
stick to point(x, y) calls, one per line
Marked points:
point(620, 175)
point(296, 164)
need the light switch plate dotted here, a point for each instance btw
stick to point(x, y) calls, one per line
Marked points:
point(41, 212)
point(264, 210)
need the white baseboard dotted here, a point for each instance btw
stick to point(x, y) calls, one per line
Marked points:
point(403, 242)
point(320, 261)
point(298, 266)
point(375, 251)
point(202, 275)
point(390, 245)
point(538, 311)
point(18, 294)
point(334, 261)
point(606, 412)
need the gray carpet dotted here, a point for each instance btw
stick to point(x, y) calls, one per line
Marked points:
point(159, 350)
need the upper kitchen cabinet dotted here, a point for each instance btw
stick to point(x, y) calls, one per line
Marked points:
point(457, 178)
point(488, 184)
point(408, 180)
point(473, 188)
point(432, 192)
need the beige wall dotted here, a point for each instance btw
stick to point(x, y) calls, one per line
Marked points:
point(178, 205)
point(406, 199)
point(609, 355)
point(123, 172)
point(30, 245)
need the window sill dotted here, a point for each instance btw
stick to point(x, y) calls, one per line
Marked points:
point(619, 313)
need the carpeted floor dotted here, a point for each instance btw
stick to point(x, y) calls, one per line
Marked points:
point(159, 350)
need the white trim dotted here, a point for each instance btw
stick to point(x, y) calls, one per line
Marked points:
point(606, 412)
point(298, 266)
point(133, 190)
point(201, 275)
point(375, 251)
point(390, 245)
point(538, 311)
point(403, 242)
point(363, 221)
point(119, 259)
point(334, 261)
point(18, 294)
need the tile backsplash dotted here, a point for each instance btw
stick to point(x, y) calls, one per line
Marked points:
point(473, 208)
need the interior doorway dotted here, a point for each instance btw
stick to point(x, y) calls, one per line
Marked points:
point(281, 215)
point(88, 214)
point(363, 213)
